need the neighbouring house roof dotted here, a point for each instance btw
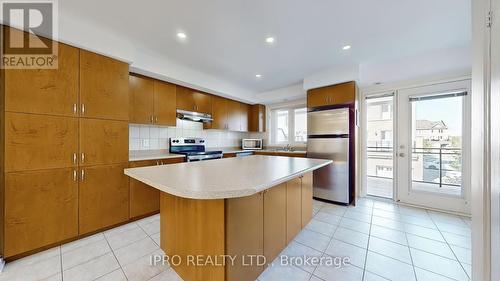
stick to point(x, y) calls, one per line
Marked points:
point(431, 125)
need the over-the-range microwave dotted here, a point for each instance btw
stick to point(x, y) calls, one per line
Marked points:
point(251, 144)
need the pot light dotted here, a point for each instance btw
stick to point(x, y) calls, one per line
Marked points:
point(258, 76)
point(270, 40)
point(346, 47)
point(181, 35)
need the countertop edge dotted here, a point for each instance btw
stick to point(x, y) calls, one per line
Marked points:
point(214, 195)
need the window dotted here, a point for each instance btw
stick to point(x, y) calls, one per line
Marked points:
point(289, 125)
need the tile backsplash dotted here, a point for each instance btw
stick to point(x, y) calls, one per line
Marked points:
point(147, 137)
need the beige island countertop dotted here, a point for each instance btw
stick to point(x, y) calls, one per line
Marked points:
point(224, 178)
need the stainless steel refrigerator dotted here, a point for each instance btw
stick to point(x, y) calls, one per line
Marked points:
point(331, 136)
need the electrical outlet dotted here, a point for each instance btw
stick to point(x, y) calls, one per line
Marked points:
point(145, 143)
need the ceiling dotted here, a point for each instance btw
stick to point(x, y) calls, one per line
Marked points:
point(226, 38)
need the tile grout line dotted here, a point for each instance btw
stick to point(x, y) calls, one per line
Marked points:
point(448, 244)
point(411, 256)
point(113, 252)
point(368, 245)
point(60, 257)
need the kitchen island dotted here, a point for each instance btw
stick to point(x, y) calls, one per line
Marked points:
point(227, 219)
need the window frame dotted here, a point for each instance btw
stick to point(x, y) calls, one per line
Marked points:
point(291, 125)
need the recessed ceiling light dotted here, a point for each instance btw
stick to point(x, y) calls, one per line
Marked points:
point(270, 40)
point(181, 35)
point(258, 76)
point(346, 47)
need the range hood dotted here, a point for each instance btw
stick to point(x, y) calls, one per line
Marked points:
point(194, 116)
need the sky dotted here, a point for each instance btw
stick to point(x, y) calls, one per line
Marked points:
point(447, 109)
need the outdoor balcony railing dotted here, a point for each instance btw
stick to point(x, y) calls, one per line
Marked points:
point(440, 166)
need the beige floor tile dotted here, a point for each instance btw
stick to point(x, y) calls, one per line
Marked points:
point(424, 275)
point(328, 218)
point(321, 227)
point(284, 273)
point(122, 239)
point(167, 275)
point(373, 277)
point(355, 254)
point(84, 253)
point(388, 234)
point(92, 269)
point(116, 275)
point(355, 225)
point(345, 273)
point(136, 250)
point(431, 246)
point(352, 237)
point(437, 264)
point(141, 269)
point(390, 249)
point(389, 268)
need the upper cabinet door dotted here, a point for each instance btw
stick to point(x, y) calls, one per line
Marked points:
point(344, 93)
point(45, 91)
point(219, 113)
point(202, 102)
point(244, 111)
point(233, 115)
point(141, 99)
point(185, 99)
point(103, 142)
point(104, 91)
point(257, 118)
point(35, 142)
point(164, 103)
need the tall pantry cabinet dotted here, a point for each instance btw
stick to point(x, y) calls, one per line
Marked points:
point(64, 141)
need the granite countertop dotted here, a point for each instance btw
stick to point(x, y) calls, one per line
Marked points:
point(224, 178)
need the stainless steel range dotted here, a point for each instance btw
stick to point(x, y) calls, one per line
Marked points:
point(193, 149)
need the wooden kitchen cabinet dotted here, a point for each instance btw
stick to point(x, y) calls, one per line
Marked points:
point(344, 93)
point(152, 101)
point(293, 208)
point(145, 199)
point(307, 198)
point(244, 111)
point(41, 209)
point(274, 221)
point(191, 100)
point(244, 235)
point(257, 118)
point(141, 99)
point(34, 142)
point(219, 113)
point(104, 87)
point(233, 115)
point(103, 142)
point(103, 197)
point(164, 103)
point(45, 91)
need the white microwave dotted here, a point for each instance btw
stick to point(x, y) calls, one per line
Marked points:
point(251, 144)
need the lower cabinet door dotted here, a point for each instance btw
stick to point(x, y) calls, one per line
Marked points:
point(145, 199)
point(244, 236)
point(104, 197)
point(293, 208)
point(307, 198)
point(41, 208)
point(274, 221)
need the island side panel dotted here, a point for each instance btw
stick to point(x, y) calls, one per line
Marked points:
point(244, 236)
point(307, 198)
point(193, 227)
point(274, 221)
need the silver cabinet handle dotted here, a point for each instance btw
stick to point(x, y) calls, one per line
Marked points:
point(75, 158)
point(82, 175)
point(82, 109)
point(75, 108)
point(151, 119)
point(82, 158)
point(157, 163)
point(75, 175)
point(156, 119)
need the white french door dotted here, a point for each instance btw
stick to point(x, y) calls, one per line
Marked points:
point(432, 146)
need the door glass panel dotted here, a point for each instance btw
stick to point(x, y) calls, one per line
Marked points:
point(379, 143)
point(281, 126)
point(436, 155)
point(300, 124)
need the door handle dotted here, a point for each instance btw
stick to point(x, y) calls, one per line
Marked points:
point(82, 175)
point(75, 175)
point(151, 118)
point(75, 158)
point(75, 108)
point(156, 119)
point(82, 158)
point(82, 108)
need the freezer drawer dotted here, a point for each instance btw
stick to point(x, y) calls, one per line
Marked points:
point(328, 122)
point(332, 181)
